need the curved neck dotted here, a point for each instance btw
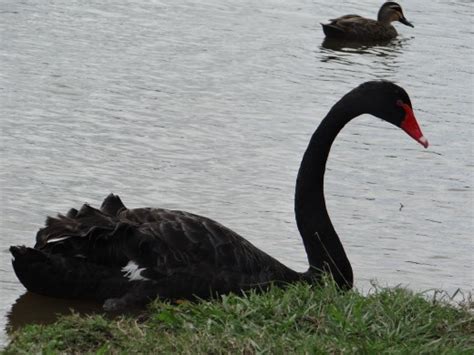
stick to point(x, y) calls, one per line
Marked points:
point(323, 247)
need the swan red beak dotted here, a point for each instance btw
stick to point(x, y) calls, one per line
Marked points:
point(411, 127)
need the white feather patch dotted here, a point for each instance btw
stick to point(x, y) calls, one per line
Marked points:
point(133, 272)
point(58, 239)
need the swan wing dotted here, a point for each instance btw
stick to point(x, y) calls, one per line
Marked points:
point(154, 243)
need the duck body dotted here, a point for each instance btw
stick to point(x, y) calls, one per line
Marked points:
point(358, 28)
point(126, 257)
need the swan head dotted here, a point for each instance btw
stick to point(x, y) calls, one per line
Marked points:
point(391, 103)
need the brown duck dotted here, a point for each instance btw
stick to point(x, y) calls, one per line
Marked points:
point(354, 27)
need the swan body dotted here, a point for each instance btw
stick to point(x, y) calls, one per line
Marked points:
point(113, 250)
point(124, 256)
point(358, 28)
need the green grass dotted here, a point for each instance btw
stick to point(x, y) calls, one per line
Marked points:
point(299, 319)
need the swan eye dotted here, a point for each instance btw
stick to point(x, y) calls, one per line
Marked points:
point(400, 103)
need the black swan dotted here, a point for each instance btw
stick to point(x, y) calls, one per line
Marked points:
point(358, 28)
point(131, 256)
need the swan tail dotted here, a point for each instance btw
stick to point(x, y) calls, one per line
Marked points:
point(58, 276)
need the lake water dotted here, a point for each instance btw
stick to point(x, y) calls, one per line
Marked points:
point(208, 106)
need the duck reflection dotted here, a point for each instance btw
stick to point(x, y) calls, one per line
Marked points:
point(381, 56)
point(344, 45)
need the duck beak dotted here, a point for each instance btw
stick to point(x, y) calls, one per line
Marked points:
point(411, 127)
point(406, 22)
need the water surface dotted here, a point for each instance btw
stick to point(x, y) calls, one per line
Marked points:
point(208, 107)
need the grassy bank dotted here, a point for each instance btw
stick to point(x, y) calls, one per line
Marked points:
point(300, 319)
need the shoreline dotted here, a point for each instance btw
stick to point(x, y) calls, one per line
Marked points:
point(298, 319)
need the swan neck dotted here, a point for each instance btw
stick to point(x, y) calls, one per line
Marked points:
point(323, 246)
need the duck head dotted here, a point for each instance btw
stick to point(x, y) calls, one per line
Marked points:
point(390, 12)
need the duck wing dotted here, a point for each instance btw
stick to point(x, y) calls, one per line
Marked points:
point(358, 28)
point(346, 18)
point(350, 27)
